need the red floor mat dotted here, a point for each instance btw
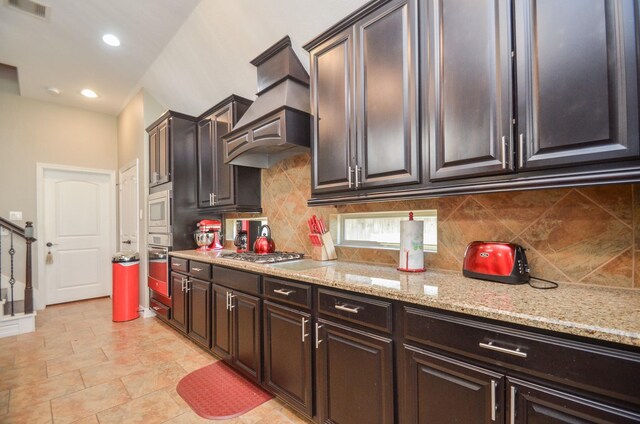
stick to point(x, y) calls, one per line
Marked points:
point(218, 392)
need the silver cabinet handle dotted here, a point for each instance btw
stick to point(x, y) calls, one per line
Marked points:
point(513, 406)
point(504, 152)
point(176, 265)
point(347, 309)
point(186, 285)
point(493, 400)
point(231, 305)
point(213, 199)
point(184, 282)
point(210, 201)
point(228, 294)
point(304, 322)
point(349, 176)
point(318, 341)
point(521, 150)
point(196, 269)
point(513, 352)
point(283, 292)
point(356, 172)
point(155, 308)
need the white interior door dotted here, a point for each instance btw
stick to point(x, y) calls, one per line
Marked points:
point(78, 211)
point(128, 208)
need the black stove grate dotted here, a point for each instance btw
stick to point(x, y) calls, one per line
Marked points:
point(264, 258)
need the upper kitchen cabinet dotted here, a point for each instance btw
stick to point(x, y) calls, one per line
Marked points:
point(165, 133)
point(577, 76)
point(224, 187)
point(466, 83)
point(364, 101)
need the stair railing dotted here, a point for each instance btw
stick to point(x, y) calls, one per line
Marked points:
point(25, 233)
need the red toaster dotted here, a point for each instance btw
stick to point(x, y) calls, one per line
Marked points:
point(496, 261)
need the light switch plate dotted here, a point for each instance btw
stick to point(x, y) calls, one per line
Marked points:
point(15, 215)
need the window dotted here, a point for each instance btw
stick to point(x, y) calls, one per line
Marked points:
point(381, 230)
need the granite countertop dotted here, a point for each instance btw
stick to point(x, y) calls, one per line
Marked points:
point(603, 313)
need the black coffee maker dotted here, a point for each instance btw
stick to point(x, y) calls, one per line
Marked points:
point(246, 234)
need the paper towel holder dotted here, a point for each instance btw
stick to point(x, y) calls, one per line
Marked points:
point(411, 255)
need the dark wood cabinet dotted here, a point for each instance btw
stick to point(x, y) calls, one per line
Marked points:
point(531, 403)
point(221, 322)
point(159, 154)
point(237, 330)
point(355, 375)
point(444, 390)
point(199, 300)
point(223, 187)
point(466, 87)
point(288, 355)
point(179, 318)
point(364, 104)
point(577, 82)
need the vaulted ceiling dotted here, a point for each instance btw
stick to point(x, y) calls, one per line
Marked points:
point(189, 54)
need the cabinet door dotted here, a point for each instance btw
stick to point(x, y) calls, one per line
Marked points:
point(178, 302)
point(287, 355)
point(164, 167)
point(199, 295)
point(221, 322)
point(332, 143)
point(438, 389)
point(387, 110)
point(246, 334)
point(577, 81)
point(355, 376)
point(466, 65)
point(153, 157)
point(534, 404)
point(206, 162)
point(223, 173)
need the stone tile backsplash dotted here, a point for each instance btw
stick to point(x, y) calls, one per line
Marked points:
point(582, 235)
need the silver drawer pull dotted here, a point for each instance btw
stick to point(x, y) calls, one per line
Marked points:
point(196, 269)
point(283, 292)
point(346, 309)
point(156, 308)
point(176, 265)
point(513, 352)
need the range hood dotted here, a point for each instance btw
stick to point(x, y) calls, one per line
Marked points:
point(277, 125)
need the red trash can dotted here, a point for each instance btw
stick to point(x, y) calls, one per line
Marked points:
point(125, 296)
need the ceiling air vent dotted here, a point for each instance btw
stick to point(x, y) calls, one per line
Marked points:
point(31, 7)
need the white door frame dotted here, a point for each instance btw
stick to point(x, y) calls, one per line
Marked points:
point(40, 292)
point(132, 164)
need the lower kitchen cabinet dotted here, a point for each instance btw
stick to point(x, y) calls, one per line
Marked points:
point(288, 355)
point(236, 330)
point(199, 300)
point(444, 390)
point(178, 302)
point(532, 403)
point(355, 375)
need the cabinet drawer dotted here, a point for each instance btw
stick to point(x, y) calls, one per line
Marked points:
point(298, 294)
point(239, 280)
point(358, 309)
point(160, 286)
point(161, 310)
point(200, 269)
point(599, 369)
point(179, 264)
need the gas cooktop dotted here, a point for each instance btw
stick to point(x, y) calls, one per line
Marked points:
point(266, 258)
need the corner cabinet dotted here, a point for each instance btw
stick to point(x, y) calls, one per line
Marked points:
point(159, 154)
point(223, 187)
point(364, 103)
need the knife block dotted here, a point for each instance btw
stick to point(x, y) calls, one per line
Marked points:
point(326, 252)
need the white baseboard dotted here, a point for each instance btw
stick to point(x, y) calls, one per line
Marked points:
point(146, 312)
point(19, 324)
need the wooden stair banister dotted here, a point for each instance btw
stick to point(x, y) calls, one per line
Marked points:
point(27, 234)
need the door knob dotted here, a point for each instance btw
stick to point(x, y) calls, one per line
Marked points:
point(127, 242)
point(49, 244)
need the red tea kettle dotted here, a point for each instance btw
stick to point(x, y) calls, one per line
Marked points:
point(264, 244)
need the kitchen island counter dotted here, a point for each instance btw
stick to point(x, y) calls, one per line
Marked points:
point(602, 313)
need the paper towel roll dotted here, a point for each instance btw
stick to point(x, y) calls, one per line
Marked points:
point(411, 245)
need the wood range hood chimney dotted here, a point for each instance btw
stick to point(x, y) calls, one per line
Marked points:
point(277, 125)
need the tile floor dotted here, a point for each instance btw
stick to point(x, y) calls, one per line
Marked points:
point(80, 367)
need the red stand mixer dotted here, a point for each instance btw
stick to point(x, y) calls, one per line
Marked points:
point(208, 235)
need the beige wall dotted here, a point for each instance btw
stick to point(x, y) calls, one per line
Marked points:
point(141, 111)
point(32, 131)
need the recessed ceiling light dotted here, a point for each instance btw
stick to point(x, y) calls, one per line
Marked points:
point(111, 40)
point(89, 93)
point(53, 91)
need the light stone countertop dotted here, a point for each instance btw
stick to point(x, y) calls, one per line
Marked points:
point(603, 313)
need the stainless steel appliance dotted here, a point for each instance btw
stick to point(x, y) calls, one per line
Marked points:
point(158, 269)
point(264, 258)
point(160, 212)
point(246, 234)
point(208, 235)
